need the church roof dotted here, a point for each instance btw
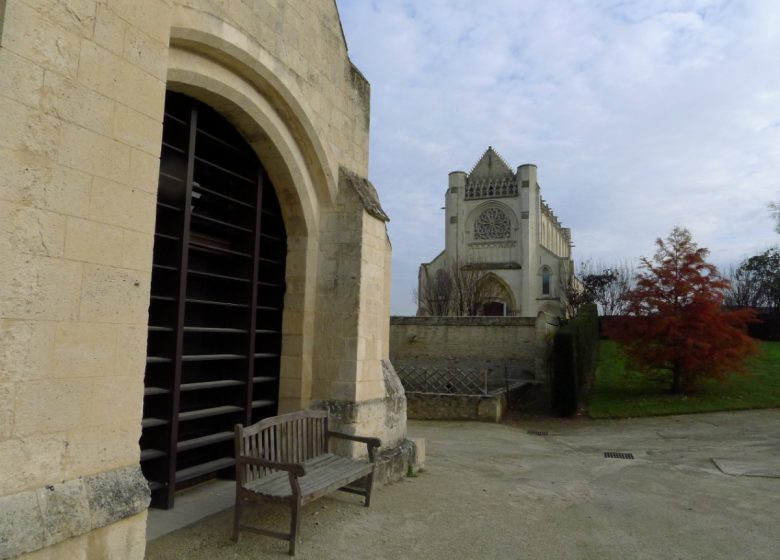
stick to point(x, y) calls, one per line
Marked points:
point(490, 166)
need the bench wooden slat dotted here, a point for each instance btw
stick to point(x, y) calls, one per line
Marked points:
point(278, 483)
point(321, 472)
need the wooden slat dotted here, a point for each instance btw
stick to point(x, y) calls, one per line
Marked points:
point(148, 454)
point(306, 439)
point(295, 441)
point(274, 454)
point(287, 443)
point(204, 468)
point(264, 447)
point(284, 418)
point(320, 469)
point(152, 422)
point(202, 441)
point(281, 434)
point(325, 474)
point(206, 412)
point(211, 357)
point(262, 402)
point(210, 384)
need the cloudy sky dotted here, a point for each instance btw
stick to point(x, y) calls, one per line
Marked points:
point(640, 116)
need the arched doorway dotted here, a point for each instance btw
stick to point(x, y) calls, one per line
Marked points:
point(497, 297)
point(216, 305)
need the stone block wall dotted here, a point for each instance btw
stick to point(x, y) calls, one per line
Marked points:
point(81, 92)
point(518, 344)
point(82, 86)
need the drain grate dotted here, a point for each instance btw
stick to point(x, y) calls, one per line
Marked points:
point(538, 433)
point(616, 455)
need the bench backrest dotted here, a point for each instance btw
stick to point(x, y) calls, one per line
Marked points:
point(289, 438)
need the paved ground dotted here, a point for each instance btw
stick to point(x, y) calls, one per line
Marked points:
point(496, 491)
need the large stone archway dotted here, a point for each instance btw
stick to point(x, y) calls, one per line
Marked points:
point(282, 155)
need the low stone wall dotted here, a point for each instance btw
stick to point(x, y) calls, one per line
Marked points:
point(513, 350)
point(486, 408)
point(515, 346)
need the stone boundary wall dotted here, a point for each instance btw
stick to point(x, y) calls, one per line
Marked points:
point(515, 350)
point(486, 408)
point(518, 344)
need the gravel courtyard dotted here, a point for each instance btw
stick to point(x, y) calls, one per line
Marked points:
point(498, 491)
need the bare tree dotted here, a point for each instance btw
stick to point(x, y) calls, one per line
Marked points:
point(745, 288)
point(599, 283)
point(434, 296)
point(774, 209)
point(765, 268)
point(613, 298)
point(573, 294)
point(455, 289)
point(471, 288)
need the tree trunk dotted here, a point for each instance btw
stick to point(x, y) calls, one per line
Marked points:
point(676, 385)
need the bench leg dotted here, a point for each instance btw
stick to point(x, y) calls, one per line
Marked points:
point(295, 524)
point(369, 487)
point(237, 518)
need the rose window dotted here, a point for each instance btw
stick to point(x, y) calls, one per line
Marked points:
point(492, 224)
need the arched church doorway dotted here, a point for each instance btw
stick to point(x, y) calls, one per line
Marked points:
point(216, 304)
point(496, 295)
point(494, 309)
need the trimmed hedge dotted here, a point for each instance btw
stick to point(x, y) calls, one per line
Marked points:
point(767, 327)
point(575, 352)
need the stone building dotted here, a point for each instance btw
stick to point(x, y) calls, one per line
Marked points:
point(496, 221)
point(187, 241)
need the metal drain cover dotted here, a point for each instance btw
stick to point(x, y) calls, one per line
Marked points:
point(538, 433)
point(616, 455)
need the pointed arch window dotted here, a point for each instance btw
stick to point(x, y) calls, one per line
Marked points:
point(546, 277)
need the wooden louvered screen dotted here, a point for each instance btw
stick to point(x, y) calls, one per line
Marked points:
point(216, 302)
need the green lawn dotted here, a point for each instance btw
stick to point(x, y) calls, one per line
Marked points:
point(618, 393)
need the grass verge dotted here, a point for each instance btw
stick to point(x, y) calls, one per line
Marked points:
point(618, 393)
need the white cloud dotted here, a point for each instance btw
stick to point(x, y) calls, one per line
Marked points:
point(640, 115)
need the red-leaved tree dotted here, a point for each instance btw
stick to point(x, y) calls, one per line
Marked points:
point(676, 321)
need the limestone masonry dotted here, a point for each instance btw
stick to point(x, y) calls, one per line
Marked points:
point(146, 148)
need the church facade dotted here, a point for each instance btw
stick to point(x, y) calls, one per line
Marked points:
point(499, 231)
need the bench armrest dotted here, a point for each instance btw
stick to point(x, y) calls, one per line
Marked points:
point(296, 469)
point(371, 442)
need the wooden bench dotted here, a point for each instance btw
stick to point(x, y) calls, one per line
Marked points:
point(286, 459)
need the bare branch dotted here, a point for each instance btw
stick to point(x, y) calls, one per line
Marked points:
point(455, 289)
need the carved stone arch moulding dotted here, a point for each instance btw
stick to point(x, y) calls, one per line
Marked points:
point(497, 289)
point(241, 73)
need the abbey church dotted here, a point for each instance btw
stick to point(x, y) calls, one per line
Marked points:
point(497, 222)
